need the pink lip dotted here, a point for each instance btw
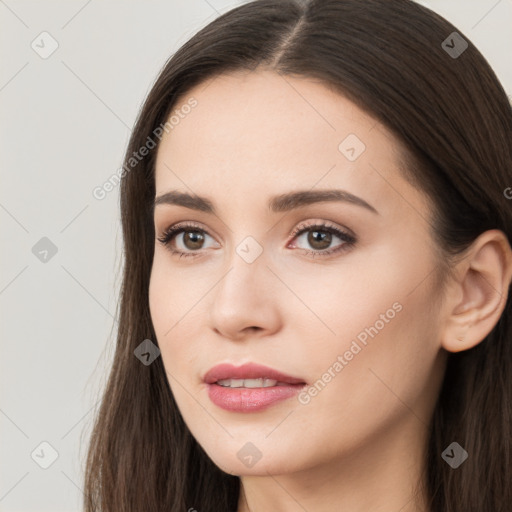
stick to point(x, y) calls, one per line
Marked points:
point(249, 399)
point(247, 371)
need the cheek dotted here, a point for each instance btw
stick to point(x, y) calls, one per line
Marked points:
point(169, 294)
point(174, 307)
point(163, 306)
point(374, 341)
point(382, 363)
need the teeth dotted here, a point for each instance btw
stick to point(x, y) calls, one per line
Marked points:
point(247, 383)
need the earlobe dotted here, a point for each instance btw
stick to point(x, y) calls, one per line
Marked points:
point(462, 337)
point(479, 293)
point(463, 332)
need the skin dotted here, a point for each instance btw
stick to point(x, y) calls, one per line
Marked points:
point(360, 443)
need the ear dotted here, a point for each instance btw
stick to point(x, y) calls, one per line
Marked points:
point(478, 294)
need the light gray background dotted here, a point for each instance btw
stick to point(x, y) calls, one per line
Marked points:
point(65, 124)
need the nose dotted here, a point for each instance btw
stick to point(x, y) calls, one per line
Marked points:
point(246, 300)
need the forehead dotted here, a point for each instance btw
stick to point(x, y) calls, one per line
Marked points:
point(255, 134)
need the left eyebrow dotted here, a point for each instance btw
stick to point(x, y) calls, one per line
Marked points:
point(279, 203)
point(294, 200)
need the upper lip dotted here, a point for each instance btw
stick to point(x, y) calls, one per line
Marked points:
point(247, 371)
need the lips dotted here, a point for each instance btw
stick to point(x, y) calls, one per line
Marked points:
point(248, 371)
point(246, 396)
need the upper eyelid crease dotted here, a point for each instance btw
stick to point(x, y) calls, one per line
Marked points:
point(280, 203)
point(347, 238)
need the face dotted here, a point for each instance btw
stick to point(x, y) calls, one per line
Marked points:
point(337, 293)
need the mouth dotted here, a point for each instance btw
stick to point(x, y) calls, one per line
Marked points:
point(250, 375)
point(251, 383)
point(250, 387)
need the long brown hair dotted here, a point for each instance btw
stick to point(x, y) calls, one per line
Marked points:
point(455, 121)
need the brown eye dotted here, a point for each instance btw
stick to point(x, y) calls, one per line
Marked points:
point(319, 240)
point(193, 240)
point(320, 237)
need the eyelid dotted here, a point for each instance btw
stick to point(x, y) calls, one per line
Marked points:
point(347, 237)
point(179, 227)
point(327, 225)
point(344, 234)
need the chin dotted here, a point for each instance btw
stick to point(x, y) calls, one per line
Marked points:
point(239, 464)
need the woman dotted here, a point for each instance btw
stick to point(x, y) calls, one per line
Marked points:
point(314, 309)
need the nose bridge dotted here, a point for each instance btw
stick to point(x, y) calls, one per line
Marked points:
point(247, 266)
point(243, 297)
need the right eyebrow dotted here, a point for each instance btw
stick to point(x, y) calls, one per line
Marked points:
point(279, 203)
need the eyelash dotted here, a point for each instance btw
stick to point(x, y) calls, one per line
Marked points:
point(349, 240)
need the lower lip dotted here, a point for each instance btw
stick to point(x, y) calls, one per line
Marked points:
point(250, 399)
